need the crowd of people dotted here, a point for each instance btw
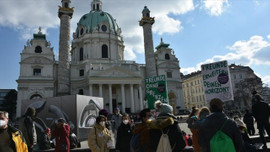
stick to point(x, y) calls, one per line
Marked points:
point(158, 131)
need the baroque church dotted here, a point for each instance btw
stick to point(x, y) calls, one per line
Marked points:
point(95, 63)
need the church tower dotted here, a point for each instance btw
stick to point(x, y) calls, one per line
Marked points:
point(65, 15)
point(146, 22)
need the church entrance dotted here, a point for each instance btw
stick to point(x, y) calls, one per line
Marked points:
point(114, 103)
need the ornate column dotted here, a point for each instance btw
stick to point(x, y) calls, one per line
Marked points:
point(110, 98)
point(123, 98)
point(90, 89)
point(100, 90)
point(132, 98)
point(141, 98)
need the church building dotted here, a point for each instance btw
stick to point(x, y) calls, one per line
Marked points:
point(95, 63)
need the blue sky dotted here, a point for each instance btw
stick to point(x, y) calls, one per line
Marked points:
point(199, 31)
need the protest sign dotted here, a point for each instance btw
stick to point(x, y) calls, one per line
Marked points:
point(217, 81)
point(156, 89)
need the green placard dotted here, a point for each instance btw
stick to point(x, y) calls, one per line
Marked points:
point(156, 89)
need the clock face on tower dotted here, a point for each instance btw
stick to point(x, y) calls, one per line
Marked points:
point(104, 28)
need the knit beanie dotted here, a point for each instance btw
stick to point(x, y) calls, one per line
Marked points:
point(163, 108)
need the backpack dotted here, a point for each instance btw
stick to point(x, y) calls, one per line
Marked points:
point(221, 142)
point(135, 145)
point(164, 143)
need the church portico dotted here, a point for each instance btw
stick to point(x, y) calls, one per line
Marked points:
point(127, 95)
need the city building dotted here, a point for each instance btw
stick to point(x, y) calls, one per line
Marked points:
point(97, 66)
point(193, 90)
point(3, 93)
point(243, 80)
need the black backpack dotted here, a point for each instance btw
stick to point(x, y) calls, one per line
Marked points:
point(74, 142)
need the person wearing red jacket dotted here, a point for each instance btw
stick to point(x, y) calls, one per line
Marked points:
point(61, 134)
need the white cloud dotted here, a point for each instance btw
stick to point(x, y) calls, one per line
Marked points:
point(188, 70)
point(215, 7)
point(27, 16)
point(255, 51)
point(165, 24)
point(266, 80)
point(268, 36)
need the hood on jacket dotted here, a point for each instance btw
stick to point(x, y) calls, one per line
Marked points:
point(160, 122)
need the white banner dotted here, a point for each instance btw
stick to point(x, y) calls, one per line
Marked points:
point(217, 81)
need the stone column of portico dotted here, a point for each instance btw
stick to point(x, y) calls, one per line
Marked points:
point(90, 89)
point(123, 98)
point(141, 98)
point(132, 98)
point(110, 98)
point(100, 90)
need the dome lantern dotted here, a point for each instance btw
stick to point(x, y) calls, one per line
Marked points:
point(96, 5)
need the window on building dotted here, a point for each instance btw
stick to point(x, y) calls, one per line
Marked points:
point(36, 72)
point(240, 76)
point(104, 28)
point(94, 7)
point(169, 74)
point(38, 49)
point(66, 5)
point(234, 76)
point(167, 56)
point(80, 92)
point(81, 72)
point(147, 15)
point(104, 51)
point(97, 7)
point(36, 96)
point(81, 31)
point(81, 54)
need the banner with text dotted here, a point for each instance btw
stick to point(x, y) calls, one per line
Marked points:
point(217, 81)
point(156, 89)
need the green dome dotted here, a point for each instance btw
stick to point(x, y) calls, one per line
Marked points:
point(95, 20)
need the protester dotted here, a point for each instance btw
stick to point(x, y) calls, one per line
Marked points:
point(11, 139)
point(61, 133)
point(105, 113)
point(46, 140)
point(116, 121)
point(27, 126)
point(261, 112)
point(249, 121)
point(192, 118)
point(124, 134)
point(100, 138)
point(165, 123)
point(140, 139)
point(214, 122)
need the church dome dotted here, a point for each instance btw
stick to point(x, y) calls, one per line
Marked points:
point(96, 21)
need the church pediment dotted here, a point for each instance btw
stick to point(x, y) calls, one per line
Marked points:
point(116, 72)
point(37, 60)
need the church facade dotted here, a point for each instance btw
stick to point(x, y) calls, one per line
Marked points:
point(95, 64)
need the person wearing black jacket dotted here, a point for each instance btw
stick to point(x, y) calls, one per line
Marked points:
point(248, 120)
point(27, 126)
point(167, 123)
point(261, 112)
point(213, 122)
point(124, 134)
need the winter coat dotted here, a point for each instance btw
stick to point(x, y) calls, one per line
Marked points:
point(98, 138)
point(28, 129)
point(144, 137)
point(248, 119)
point(212, 123)
point(124, 134)
point(166, 124)
point(116, 121)
point(18, 139)
point(261, 111)
point(61, 135)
